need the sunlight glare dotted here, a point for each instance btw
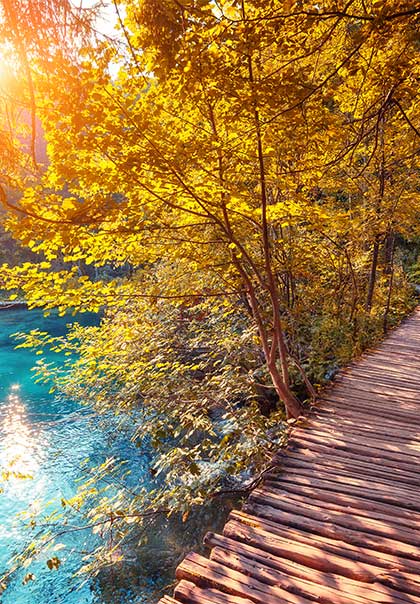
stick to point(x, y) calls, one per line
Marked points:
point(9, 73)
point(19, 449)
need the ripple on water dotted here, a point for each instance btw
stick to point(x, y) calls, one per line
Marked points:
point(47, 440)
point(43, 442)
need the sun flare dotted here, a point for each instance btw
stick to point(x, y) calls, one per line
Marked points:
point(9, 72)
point(18, 445)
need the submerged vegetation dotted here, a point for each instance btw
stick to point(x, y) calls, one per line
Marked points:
point(235, 186)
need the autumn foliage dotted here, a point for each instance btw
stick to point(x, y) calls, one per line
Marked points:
point(234, 184)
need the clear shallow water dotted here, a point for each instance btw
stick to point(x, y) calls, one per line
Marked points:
point(49, 439)
point(46, 439)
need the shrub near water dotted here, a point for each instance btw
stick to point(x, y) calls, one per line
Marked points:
point(190, 386)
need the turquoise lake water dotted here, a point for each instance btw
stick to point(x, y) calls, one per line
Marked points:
point(47, 438)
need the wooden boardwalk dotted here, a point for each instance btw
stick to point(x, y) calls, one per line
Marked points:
point(340, 522)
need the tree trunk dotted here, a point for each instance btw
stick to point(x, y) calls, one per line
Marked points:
point(283, 356)
point(276, 349)
point(293, 407)
point(372, 276)
point(389, 253)
point(389, 270)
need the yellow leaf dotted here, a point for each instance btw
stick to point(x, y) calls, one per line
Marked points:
point(68, 204)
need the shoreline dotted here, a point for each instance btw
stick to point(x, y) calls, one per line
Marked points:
point(12, 304)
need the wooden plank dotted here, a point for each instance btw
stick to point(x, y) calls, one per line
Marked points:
point(206, 573)
point(359, 503)
point(362, 413)
point(395, 347)
point(334, 546)
point(368, 472)
point(387, 362)
point(375, 592)
point(350, 453)
point(401, 459)
point(346, 400)
point(297, 585)
point(387, 379)
point(334, 590)
point(323, 524)
point(412, 450)
point(168, 600)
point(341, 426)
point(368, 367)
point(392, 370)
point(358, 388)
point(263, 497)
point(320, 413)
point(314, 551)
point(352, 465)
point(189, 593)
point(380, 484)
point(340, 485)
point(349, 383)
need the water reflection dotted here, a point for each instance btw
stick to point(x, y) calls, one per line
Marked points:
point(20, 449)
point(44, 440)
point(53, 442)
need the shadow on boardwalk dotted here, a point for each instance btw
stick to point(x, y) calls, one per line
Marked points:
point(339, 522)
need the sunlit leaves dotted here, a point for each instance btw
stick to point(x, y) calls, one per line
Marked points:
point(239, 171)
